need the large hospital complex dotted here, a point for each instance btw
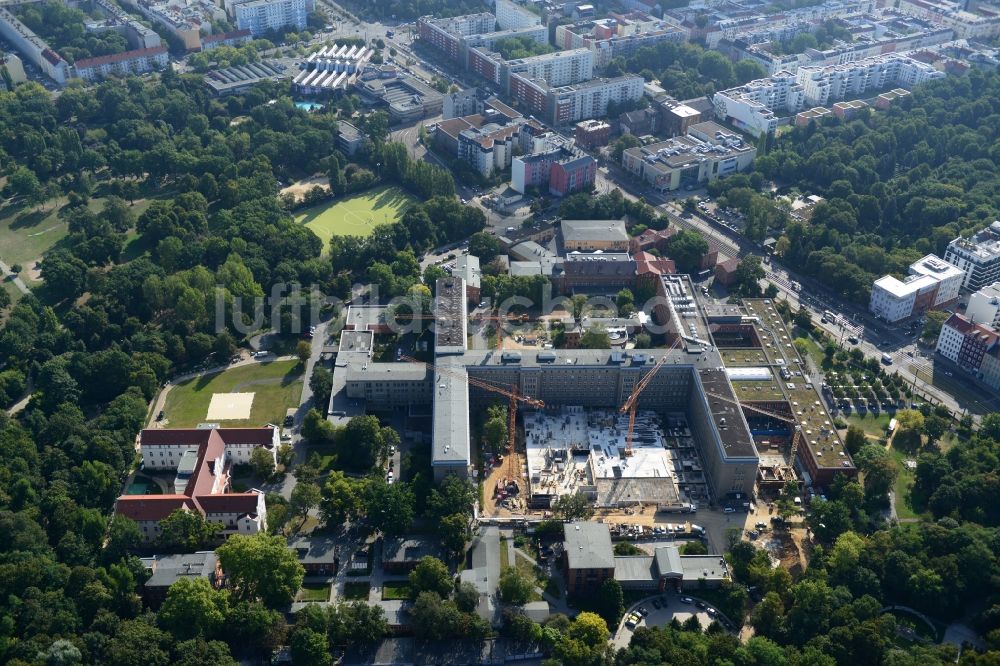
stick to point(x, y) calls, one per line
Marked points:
point(718, 417)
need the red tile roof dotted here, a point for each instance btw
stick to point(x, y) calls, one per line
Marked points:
point(241, 503)
point(150, 507)
point(203, 478)
point(120, 57)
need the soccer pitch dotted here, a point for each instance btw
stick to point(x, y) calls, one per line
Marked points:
point(357, 214)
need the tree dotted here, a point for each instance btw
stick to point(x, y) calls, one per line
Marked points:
point(572, 507)
point(261, 567)
point(466, 597)
point(262, 462)
point(309, 648)
point(514, 587)
point(485, 246)
point(748, 275)
point(64, 274)
point(579, 306)
point(193, 608)
point(694, 548)
point(186, 531)
point(431, 575)
point(854, 439)
point(341, 499)
point(687, 248)
point(933, 323)
point(595, 337)
point(434, 618)
point(643, 341)
point(390, 506)
point(610, 601)
point(24, 183)
point(590, 628)
point(303, 350)
point(321, 384)
point(495, 432)
point(305, 497)
point(454, 531)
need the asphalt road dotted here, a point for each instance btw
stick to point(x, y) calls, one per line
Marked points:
point(673, 608)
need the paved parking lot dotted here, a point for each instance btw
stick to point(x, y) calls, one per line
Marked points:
point(659, 617)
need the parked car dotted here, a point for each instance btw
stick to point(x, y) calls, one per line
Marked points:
point(687, 600)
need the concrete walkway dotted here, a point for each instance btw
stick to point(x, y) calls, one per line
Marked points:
point(16, 279)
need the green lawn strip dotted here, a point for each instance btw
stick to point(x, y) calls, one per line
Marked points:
point(356, 591)
point(904, 482)
point(314, 592)
point(357, 214)
point(527, 568)
point(504, 555)
point(396, 590)
point(277, 386)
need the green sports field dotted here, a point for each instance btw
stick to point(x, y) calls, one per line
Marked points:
point(357, 214)
point(276, 385)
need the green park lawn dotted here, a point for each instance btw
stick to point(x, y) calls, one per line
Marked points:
point(277, 386)
point(28, 232)
point(355, 215)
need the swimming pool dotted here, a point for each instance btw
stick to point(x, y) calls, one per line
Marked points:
point(309, 106)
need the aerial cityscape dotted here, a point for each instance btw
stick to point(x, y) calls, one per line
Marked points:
point(457, 332)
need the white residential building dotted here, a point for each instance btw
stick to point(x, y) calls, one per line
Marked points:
point(932, 283)
point(969, 20)
point(582, 101)
point(984, 306)
point(752, 107)
point(261, 16)
point(511, 16)
point(824, 85)
point(140, 61)
point(561, 68)
point(978, 256)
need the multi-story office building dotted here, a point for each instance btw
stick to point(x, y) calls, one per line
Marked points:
point(932, 283)
point(984, 306)
point(122, 64)
point(263, 16)
point(978, 256)
point(709, 151)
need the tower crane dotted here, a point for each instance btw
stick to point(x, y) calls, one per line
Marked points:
point(632, 402)
point(511, 392)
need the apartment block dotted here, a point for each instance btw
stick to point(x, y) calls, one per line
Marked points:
point(561, 68)
point(966, 343)
point(553, 166)
point(984, 306)
point(709, 151)
point(234, 38)
point(263, 16)
point(140, 61)
point(932, 284)
point(582, 101)
point(619, 35)
point(14, 69)
point(753, 106)
point(511, 16)
point(32, 47)
point(969, 20)
point(978, 256)
point(824, 85)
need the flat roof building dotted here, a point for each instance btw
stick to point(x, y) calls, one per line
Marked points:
point(978, 256)
point(932, 283)
point(592, 235)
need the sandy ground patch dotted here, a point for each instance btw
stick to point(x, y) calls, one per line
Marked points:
point(230, 406)
point(300, 188)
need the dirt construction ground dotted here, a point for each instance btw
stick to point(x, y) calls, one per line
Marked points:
point(300, 188)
